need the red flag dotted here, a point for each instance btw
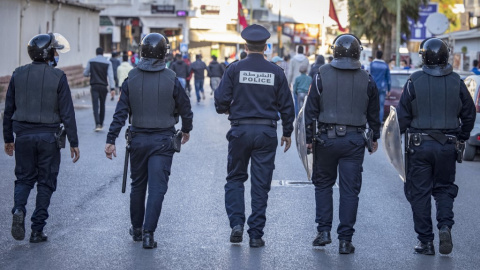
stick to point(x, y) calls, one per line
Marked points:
point(241, 18)
point(333, 14)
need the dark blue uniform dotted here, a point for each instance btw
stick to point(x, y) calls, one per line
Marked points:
point(253, 91)
point(37, 158)
point(431, 165)
point(342, 153)
point(151, 153)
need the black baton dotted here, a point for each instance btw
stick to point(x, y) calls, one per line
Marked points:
point(128, 138)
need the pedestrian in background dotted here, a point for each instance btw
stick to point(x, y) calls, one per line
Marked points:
point(181, 69)
point(475, 67)
point(151, 94)
point(294, 71)
point(340, 145)
point(302, 85)
point(123, 69)
point(320, 61)
point(252, 107)
point(199, 67)
point(215, 72)
point(381, 74)
point(34, 112)
point(188, 87)
point(437, 111)
point(115, 65)
point(100, 71)
point(243, 55)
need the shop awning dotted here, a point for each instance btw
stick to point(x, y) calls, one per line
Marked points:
point(216, 36)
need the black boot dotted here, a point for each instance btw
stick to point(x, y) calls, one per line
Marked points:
point(37, 237)
point(425, 248)
point(236, 236)
point(322, 239)
point(136, 234)
point(445, 236)
point(346, 247)
point(148, 241)
point(18, 225)
point(256, 242)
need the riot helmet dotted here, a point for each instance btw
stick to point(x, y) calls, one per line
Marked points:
point(346, 52)
point(435, 54)
point(154, 45)
point(42, 47)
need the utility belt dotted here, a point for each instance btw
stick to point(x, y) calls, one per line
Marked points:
point(417, 138)
point(254, 121)
point(176, 138)
point(333, 130)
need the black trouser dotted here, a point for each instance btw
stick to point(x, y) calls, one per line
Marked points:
point(99, 94)
point(37, 160)
point(151, 159)
point(431, 172)
point(345, 154)
point(257, 143)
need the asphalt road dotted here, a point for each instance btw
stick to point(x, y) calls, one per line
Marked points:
point(89, 216)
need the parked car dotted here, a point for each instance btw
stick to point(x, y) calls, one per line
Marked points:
point(472, 146)
point(398, 79)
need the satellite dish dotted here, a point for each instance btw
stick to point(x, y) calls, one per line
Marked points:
point(437, 23)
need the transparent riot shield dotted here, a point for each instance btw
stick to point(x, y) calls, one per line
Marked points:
point(392, 142)
point(301, 141)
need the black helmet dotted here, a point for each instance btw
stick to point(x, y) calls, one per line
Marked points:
point(346, 52)
point(435, 54)
point(42, 47)
point(154, 45)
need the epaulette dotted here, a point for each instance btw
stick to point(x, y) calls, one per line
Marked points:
point(231, 64)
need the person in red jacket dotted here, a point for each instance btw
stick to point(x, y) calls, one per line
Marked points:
point(188, 88)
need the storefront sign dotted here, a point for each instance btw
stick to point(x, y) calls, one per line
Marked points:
point(165, 9)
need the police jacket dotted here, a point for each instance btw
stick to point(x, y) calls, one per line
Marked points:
point(180, 68)
point(199, 68)
point(342, 100)
point(149, 69)
point(33, 107)
point(255, 88)
point(215, 69)
point(100, 71)
point(436, 106)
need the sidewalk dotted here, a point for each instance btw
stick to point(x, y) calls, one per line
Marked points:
point(77, 93)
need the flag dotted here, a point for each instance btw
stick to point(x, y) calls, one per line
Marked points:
point(241, 19)
point(333, 14)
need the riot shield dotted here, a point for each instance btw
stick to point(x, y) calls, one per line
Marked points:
point(301, 141)
point(392, 142)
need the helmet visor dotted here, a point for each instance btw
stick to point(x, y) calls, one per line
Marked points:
point(60, 43)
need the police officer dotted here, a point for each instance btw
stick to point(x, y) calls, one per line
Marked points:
point(152, 94)
point(38, 100)
point(438, 112)
point(252, 92)
point(343, 98)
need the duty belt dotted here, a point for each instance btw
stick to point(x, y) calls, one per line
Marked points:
point(417, 138)
point(254, 121)
point(324, 128)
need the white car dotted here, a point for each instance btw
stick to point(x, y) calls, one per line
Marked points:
point(472, 146)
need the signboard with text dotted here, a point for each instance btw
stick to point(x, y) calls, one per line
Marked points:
point(418, 29)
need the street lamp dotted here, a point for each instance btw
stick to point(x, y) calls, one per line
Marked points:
point(279, 30)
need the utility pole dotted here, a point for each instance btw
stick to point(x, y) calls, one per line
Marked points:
point(397, 43)
point(280, 30)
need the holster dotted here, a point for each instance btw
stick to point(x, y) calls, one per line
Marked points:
point(177, 141)
point(368, 137)
point(60, 137)
point(460, 148)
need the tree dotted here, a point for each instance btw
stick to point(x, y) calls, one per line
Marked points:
point(376, 19)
